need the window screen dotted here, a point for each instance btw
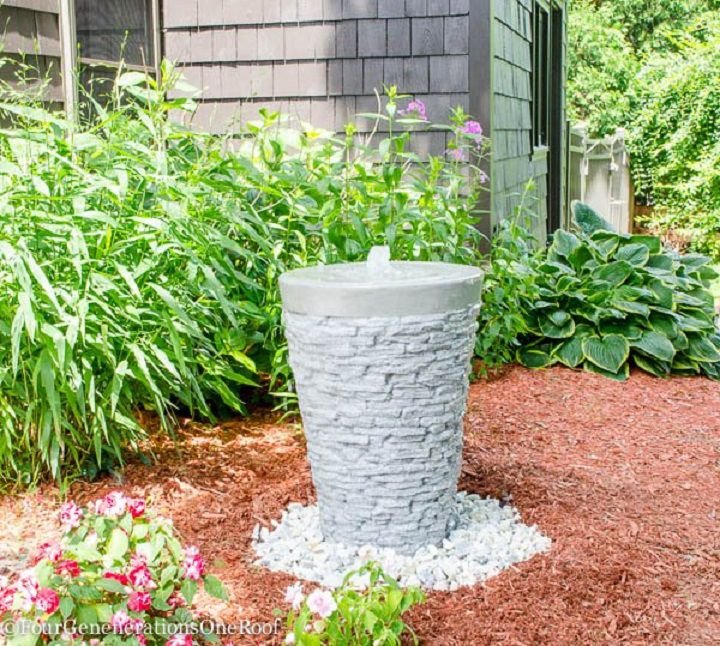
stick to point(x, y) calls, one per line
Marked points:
point(541, 75)
point(114, 30)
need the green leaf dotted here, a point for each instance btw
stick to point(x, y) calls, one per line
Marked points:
point(657, 368)
point(588, 219)
point(702, 349)
point(214, 587)
point(652, 243)
point(608, 353)
point(110, 585)
point(655, 345)
point(570, 353)
point(614, 273)
point(534, 358)
point(554, 329)
point(621, 375)
point(565, 243)
point(636, 254)
point(118, 544)
point(189, 589)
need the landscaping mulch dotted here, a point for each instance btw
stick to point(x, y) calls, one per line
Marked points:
point(625, 478)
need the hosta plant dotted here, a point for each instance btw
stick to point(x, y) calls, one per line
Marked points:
point(366, 610)
point(608, 301)
point(119, 575)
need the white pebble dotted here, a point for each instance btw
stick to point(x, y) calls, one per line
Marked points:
point(488, 538)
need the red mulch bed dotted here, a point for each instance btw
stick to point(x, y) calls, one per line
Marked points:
point(625, 478)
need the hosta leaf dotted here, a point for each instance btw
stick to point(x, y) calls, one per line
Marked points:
point(656, 345)
point(660, 261)
point(702, 349)
point(621, 375)
point(636, 254)
point(608, 353)
point(588, 219)
point(605, 243)
point(663, 293)
point(657, 368)
point(570, 353)
point(614, 273)
point(633, 307)
point(624, 329)
point(651, 242)
point(553, 330)
point(534, 358)
point(564, 243)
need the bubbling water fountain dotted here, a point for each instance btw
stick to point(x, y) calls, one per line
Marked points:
point(381, 355)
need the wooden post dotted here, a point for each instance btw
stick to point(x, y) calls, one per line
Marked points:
point(68, 44)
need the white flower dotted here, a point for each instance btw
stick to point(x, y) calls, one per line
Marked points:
point(321, 602)
point(294, 596)
point(290, 639)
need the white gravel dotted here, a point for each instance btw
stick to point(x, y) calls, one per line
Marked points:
point(489, 537)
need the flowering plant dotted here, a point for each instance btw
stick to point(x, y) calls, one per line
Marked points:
point(117, 576)
point(366, 609)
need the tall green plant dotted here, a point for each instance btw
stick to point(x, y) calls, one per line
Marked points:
point(139, 259)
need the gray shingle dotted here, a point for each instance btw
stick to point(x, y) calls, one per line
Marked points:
point(415, 77)
point(415, 8)
point(247, 44)
point(286, 82)
point(289, 10)
point(438, 7)
point(313, 79)
point(261, 80)
point(360, 8)
point(398, 37)
point(235, 12)
point(332, 9)
point(457, 35)
point(427, 36)
point(352, 76)
point(271, 45)
point(391, 8)
point(371, 38)
point(310, 10)
point(224, 45)
point(271, 11)
point(184, 13)
point(346, 39)
point(201, 45)
point(373, 76)
point(335, 78)
point(459, 6)
point(235, 81)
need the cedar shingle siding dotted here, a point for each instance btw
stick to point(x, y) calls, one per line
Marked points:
point(321, 60)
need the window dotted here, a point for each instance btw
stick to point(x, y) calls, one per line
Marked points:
point(108, 32)
point(114, 30)
point(541, 75)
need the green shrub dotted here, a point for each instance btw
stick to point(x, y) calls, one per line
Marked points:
point(608, 300)
point(510, 283)
point(139, 259)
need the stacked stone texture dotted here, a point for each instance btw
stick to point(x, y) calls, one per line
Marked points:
point(382, 401)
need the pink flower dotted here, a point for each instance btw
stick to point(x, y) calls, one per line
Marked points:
point(416, 109)
point(135, 626)
point(141, 577)
point(113, 505)
point(194, 565)
point(472, 128)
point(176, 600)
point(29, 585)
point(70, 516)
point(136, 507)
point(294, 596)
point(47, 601)
point(321, 602)
point(139, 602)
point(115, 576)
point(180, 640)
point(142, 640)
point(7, 599)
point(70, 568)
point(50, 551)
point(120, 622)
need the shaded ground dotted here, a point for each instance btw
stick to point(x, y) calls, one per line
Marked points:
point(625, 478)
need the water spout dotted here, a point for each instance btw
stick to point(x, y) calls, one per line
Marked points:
point(378, 261)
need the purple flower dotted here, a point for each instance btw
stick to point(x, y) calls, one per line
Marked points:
point(457, 154)
point(416, 108)
point(472, 128)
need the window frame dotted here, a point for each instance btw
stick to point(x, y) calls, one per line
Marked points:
point(72, 60)
point(541, 74)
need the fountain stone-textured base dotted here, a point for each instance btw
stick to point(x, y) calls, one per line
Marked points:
point(489, 536)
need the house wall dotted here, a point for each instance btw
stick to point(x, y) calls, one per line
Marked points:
point(515, 162)
point(321, 60)
point(31, 34)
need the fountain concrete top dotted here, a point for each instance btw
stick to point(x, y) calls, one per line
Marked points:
point(380, 288)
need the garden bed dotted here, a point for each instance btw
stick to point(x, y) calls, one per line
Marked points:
point(625, 479)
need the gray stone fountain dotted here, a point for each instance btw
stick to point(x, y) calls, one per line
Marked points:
point(381, 354)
